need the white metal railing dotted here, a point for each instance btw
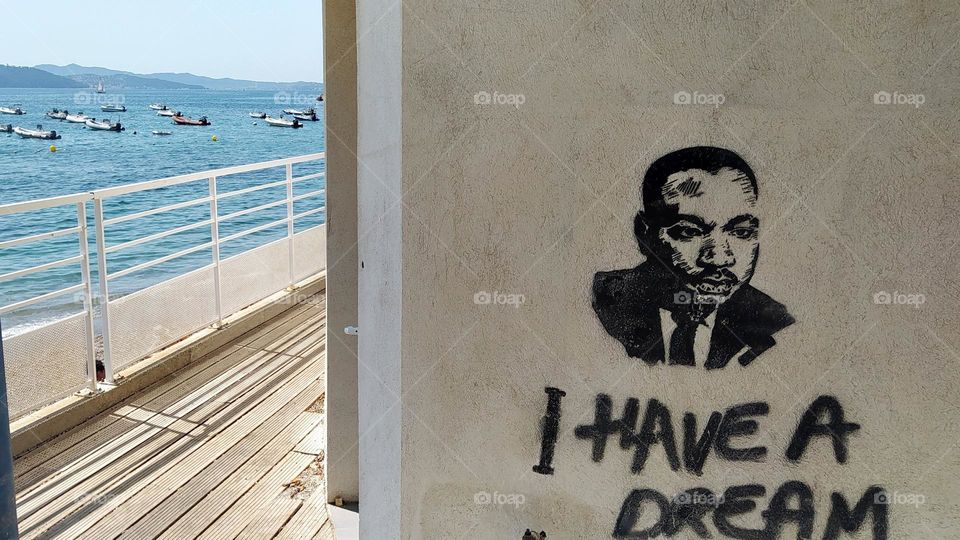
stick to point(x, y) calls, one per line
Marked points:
point(99, 314)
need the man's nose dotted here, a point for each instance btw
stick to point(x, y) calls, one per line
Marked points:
point(717, 253)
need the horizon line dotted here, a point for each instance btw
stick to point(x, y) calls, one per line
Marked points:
point(139, 74)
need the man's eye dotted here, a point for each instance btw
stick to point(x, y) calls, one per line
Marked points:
point(682, 232)
point(743, 233)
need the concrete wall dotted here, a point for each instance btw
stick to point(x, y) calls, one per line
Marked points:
point(525, 130)
point(381, 255)
point(340, 84)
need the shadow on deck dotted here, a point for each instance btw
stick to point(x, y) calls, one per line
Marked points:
point(231, 446)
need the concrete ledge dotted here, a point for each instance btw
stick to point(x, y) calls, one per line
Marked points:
point(345, 522)
point(40, 426)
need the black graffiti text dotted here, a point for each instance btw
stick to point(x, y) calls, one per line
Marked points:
point(791, 505)
point(724, 433)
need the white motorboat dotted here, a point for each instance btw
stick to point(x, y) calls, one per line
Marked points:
point(103, 125)
point(260, 115)
point(306, 112)
point(12, 110)
point(57, 114)
point(38, 133)
point(311, 117)
point(283, 122)
point(113, 108)
point(158, 106)
point(161, 132)
point(166, 112)
point(78, 118)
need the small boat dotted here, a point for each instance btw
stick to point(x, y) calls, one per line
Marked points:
point(38, 133)
point(100, 89)
point(161, 132)
point(311, 117)
point(166, 112)
point(6, 128)
point(78, 118)
point(113, 108)
point(12, 110)
point(158, 106)
point(283, 122)
point(57, 114)
point(320, 97)
point(260, 115)
point(181, 120)
point(297, 111)
point(103, 125)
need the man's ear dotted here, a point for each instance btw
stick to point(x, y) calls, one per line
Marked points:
point(642, 229)
point(641, 226)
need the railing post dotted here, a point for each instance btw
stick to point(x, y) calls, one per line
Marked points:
point(290, 240)
point(8, 504)
point(215, 238)
point(104, 290)
point(87, 294)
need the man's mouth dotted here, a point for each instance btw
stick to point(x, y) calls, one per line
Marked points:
point(718, 283)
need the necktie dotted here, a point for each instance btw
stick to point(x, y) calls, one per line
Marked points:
point(681, 342)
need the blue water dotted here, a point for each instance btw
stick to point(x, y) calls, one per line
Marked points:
point(86, 160)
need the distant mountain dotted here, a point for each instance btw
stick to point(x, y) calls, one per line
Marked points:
point(74, 69)
point(25, 77)
point(129, 82)
point(187, 79)
point(112, 79)
point(237, 84)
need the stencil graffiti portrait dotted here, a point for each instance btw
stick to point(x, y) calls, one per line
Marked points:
point(690, 303)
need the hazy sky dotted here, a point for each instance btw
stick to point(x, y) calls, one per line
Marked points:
point(267, 40)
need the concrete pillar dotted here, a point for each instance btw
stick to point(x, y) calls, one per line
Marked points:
point(381, 255)
point(577, 319)
point(340, 88)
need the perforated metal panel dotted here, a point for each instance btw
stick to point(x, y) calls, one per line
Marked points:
point(45, 364)
point(310, 250)
point(148, 320)
point(254, 275)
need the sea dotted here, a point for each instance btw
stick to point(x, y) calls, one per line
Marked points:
point(86, 160)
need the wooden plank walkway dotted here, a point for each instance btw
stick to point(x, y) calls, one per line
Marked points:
point(219, 449)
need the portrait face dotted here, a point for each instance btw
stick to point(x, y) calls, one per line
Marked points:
point(698, 231)
point(709, 230)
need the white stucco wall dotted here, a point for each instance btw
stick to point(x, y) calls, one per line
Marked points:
point(340, 86)
point(855, 198)
point(380, 253)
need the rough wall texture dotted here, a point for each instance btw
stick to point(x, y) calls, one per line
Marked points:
point(526, 131)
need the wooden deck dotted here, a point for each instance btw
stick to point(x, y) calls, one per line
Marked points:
point(229, 447)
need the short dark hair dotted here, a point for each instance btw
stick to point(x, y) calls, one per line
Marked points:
point(707, 158)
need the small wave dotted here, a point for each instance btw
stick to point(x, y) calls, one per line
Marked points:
point(22, 328)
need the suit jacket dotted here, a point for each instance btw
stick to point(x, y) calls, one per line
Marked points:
point(627, 302)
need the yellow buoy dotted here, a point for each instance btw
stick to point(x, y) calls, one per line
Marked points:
point(215, 138)
point(53, 148)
